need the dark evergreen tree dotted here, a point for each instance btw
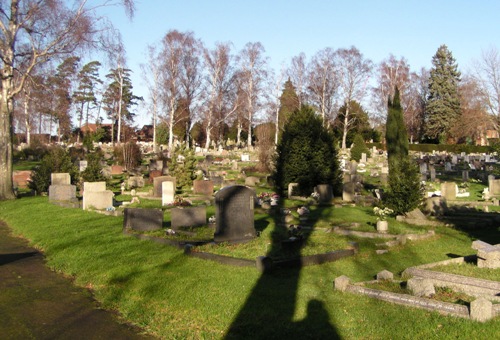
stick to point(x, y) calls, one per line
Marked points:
point(182, 166)
point(358, 123)
point(306, 154)
point(396, 135)
point(358, 148)
point(289, 102)
point(405, 191)
point(443, 102)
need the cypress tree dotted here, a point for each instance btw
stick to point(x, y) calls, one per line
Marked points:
point(405, 191)
point(443, 102)
point(396, 135)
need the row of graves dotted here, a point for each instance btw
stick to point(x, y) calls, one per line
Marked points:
point(234, 222)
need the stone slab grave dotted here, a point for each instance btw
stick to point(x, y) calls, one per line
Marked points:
point(61, 188)
point(135, 182)
point(157, 181)
point(167, 192)
point(234, 213)
point(188, 217)
point(202, 187)
point(142, 219)
point(96, 196)
point(348, 191)
point(488, 256)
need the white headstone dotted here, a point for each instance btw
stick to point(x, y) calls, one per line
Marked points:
point(167, 192)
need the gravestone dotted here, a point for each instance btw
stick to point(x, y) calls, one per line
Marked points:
point(188, 217)
point(135, 182)
point(201, 187)
point(157, 183)
point(142, 219)
point(167, 192)
point(363, 158)
point(116, 169)
point(449, 190)
point(245, 158)
point(454, 159)
point(61, 188)
point(354, 167)
point(465, 175)
point(234, 213)
point(447, 166)
point(488, 256)
point(21, 178)
point(60, 179)
point(325, 192)
point(252, 181)
point(96, 196)
point(384, 175)
point(348, 191)
point(82, 165)
point(291, 189)
point(433, 173)
point(423, 168)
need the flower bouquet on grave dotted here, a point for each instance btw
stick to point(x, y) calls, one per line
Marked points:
point(315, 196)
point(382, 214)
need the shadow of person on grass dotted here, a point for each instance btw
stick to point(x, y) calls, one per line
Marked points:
point(268, 312)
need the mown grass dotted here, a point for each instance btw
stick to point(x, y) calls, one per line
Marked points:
point(469, 269)
point(174, 296)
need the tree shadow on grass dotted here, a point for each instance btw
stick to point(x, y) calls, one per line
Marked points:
point(268, 312)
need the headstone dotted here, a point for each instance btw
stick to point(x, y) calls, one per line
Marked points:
point(291, 189)
point(465, 175)
point(252, 181)
point(157, 182)
point(363, 158)
point(423, 168)
point(421, 287)
point(234, 213)
point(167, 192)
point(325, 192)
point(60, 179)
point(354, 167)
point(454, 159)
point(201, 187)
point(481, 310)
point(82, 165)
point(234, 165)
point(116, 169)
point(488, 256)
point(96, 196)
point(433, 174)
point(449, 190)
point(348, 191)
point(21, 178)
point(341, 283)
point(62, 192)
point(245, 158)
point(135, 182)
point(142, 219)
point(188, 217)
point(447, 166)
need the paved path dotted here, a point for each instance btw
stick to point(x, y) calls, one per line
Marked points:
point(36, 303)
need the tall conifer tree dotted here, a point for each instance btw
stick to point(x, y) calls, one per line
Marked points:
point(443, 102)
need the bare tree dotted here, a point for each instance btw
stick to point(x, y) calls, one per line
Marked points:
point(414, 101)
point(298, 75)
point(323, 83)
point(252, 64)
point(391, 72)
point(151, 73)
point(475, 119)
point(34, 32)
point(354, 72)
point(487, 75)
point(220, 87)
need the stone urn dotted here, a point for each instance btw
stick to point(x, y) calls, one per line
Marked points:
point(382, 227)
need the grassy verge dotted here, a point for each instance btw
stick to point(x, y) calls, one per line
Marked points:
point(173, 296)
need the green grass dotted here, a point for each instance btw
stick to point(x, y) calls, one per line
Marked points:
point(174, 296)
point(469, 269)
point(25, 165)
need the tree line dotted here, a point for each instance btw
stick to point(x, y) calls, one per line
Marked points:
point(193, 86)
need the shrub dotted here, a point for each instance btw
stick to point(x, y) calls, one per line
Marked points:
point(57, 160)
point(358, 148)
point(128, 155)
point(93, 172)
point(405, 191)
point(182, 166)
point(306, 154)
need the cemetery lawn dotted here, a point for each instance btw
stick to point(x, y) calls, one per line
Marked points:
point(171, 295)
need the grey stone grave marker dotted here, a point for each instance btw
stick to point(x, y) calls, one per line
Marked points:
point(142, 219)
point(234, 213)
point(157, 181)
point(96, 196)
point(188, 217)
point(167, 192)
point(325, 192)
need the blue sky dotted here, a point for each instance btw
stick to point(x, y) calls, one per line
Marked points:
point(406, 28)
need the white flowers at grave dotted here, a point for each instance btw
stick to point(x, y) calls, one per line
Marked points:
point(302, 211)
point(315, 196)
point(382, 214)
